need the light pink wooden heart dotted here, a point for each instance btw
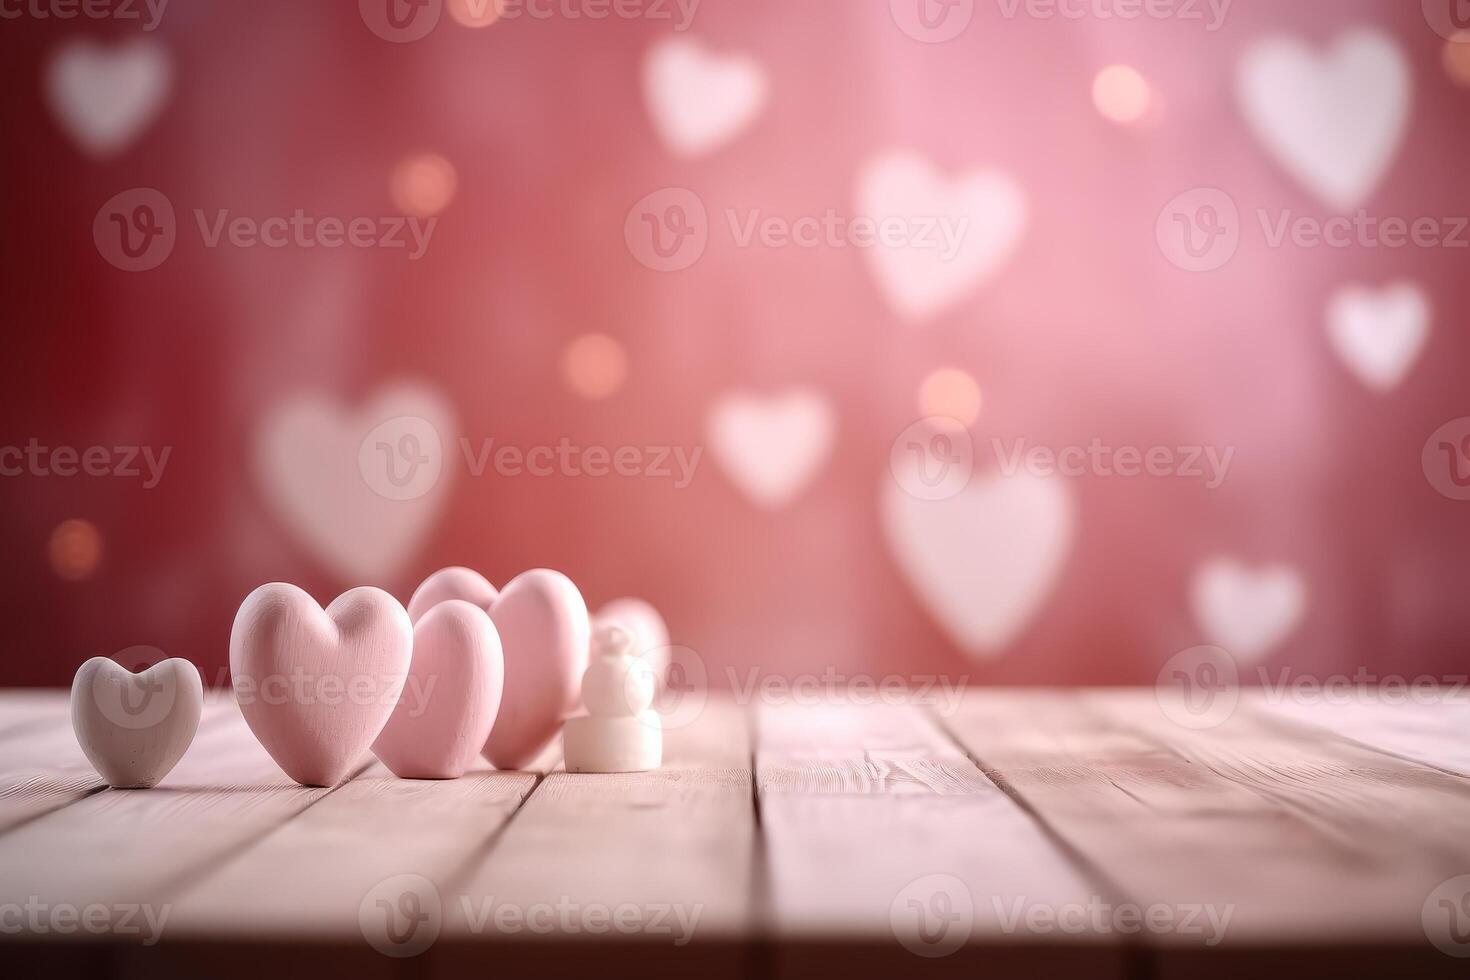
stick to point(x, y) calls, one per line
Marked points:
point(135, 727)
point(545, 635)
point(452, 696)
point(318, 686)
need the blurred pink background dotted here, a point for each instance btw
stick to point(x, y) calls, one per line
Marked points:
point(1342, 553)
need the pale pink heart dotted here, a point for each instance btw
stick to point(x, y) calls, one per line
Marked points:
point(650, 634)
point(105, 96)
point(317, 686)
point(545, 634)
point(1247, 612)
point(700, 101)
point(135, 727)
point(360, 488)
point(954, 234)
point(1379, 334)
point(772, 446)
point(452, 696)
point(1334, 119)
point(985, 559)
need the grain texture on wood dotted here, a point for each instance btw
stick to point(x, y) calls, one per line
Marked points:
point(141, 846)
point(1312, 843)
point(1433, 733)
point(637, 868)
point(876, 825)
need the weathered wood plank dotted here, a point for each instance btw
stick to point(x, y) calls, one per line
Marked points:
point(138, 847)
point(1431, 733)
point(42, 768)
point(640, 869)
point(877, 825)
point(1303, 843)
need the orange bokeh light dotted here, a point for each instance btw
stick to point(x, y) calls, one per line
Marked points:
point(950, 393)
point(75, 549)
point(594, 366)
point(1121, 94)
point(474, 13)
point(423, 185)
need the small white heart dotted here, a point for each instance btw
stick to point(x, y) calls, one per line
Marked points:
point(104, 97)
point(700, 101)
point(136, 727)
point(1333, 120)
point(772, 446)
point(983, 560)
point(361, 488)
point(957, 233)
point(1248, 613)
point(1379, 335)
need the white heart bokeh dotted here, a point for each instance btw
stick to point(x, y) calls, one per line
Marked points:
point(105, 96)
point(983, 560)
point(1248, 612)
point(700, 101)
point(1379, 334)
point(954, 234)
point(1333, 119)
point(772, 446)
point(360, 488)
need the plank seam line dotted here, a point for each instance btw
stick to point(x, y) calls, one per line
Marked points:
point(760, 954)
point(486, 848)
point(200, 871)
point(1139, 961)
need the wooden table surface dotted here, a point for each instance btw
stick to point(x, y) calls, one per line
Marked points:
point(1019, 833)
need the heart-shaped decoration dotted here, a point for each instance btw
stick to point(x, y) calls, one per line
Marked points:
point(772, 446)
point(1335, 120)
point(1246, 612)
point(104, 97)
point(650, 634)
point(136, 727)
point(956, 233)
point(983, 560)
point(451, 698)
point(700, 101)
point(1379, 335)
point(317, 686)
point(361, 489)
point(546, 636)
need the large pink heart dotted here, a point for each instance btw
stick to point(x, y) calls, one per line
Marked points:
point(318, 686)
point(545, 634)
point(452, 696)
